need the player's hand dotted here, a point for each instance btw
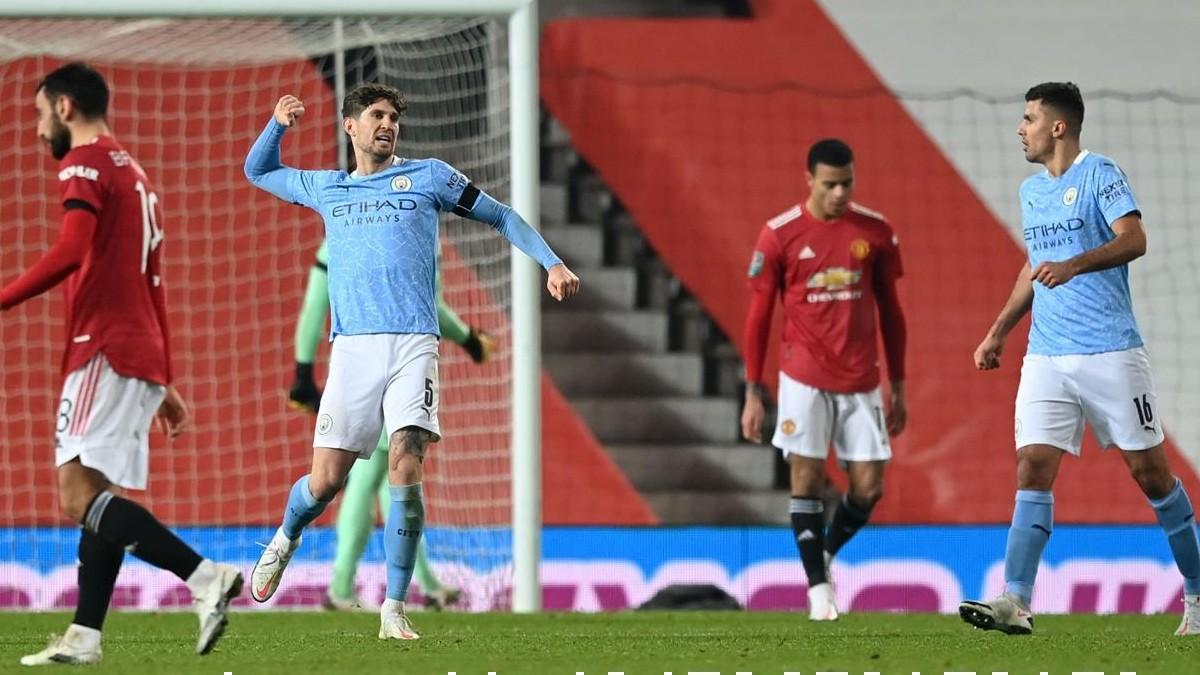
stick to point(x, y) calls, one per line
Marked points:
point(897, 416)
point(987, 354)
point(753, 414)
point(288, 110)
point(173, 416)
point(479, 345)
point(304, 395)
point(1051, 274)
point(562, 283)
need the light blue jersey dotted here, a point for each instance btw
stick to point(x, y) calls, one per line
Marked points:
point(382, 232)
point(1063, 217)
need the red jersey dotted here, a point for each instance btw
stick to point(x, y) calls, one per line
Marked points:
point(115, 299)
point(827, 273)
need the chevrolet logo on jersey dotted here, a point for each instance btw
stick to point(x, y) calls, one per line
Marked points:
point(834, 279)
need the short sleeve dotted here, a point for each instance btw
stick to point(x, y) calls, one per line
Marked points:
point(766, 263)
point(1114, 197)
point(81, 180)
point(450, 186)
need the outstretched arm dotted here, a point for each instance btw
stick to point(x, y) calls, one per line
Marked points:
point(562, 283)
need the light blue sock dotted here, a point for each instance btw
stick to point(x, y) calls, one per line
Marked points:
point(406, 519)
point(1178, 520)
point(1033, 520)
point(302, 509)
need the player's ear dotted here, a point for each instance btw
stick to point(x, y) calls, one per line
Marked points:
point(64, 107)
point(348, 125)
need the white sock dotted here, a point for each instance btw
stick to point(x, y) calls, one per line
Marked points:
point(204, 574)
point(89, 637)
point(391, 607)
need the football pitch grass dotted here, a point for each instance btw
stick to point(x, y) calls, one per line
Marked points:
point(639, 643)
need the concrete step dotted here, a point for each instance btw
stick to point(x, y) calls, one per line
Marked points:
point(603, 288)
point(697, 467)
point(631, 374)
point(660, 419)
point(589, 197)
point(571, 330)
point(553, 205)
point(557, 162)
point(679, 507)
point(577, 245)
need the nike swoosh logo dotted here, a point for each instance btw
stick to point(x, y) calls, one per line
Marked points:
point(262, 591)
point(1039, 527)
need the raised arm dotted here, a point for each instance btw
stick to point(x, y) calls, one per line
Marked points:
point(266, 170)
point(987, 354)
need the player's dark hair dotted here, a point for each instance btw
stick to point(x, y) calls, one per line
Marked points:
point(83, 84)
point(830, 152)
point(1064, 97)
point(368, 93)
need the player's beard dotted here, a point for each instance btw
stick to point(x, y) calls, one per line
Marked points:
point(380, 156)
point(60, 138)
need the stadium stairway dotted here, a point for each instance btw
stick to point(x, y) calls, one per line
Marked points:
point(656, 381)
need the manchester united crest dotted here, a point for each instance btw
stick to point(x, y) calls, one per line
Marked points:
point(859, 248)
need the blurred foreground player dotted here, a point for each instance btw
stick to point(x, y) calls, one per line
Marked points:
point(117, 364)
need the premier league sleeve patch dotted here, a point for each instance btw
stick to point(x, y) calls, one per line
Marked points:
point(756, 264)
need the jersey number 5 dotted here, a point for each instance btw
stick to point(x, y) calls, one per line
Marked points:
point(152, 234)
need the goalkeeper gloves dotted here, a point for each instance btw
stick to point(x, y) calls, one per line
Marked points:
point(304, 394)
point(479, 345)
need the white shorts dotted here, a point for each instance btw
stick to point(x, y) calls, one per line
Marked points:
point(809, 420)
point(104, 420)
point(377, 382)
point(1114, 392)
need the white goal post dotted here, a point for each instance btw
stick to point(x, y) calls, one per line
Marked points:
point(522, 16)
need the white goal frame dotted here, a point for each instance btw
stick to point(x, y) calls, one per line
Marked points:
point(522, 18)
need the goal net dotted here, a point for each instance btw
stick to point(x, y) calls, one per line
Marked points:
point(189, 98)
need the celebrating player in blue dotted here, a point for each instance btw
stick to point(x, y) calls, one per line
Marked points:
point(381, 225)
point(1086, 360)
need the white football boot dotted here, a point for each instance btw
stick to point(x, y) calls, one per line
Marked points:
point(77, 647)
point(821, 603)
point(394, 623)
point(1007, 614)
point(268, 571)
point(216, 584)
point(1190, 625)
